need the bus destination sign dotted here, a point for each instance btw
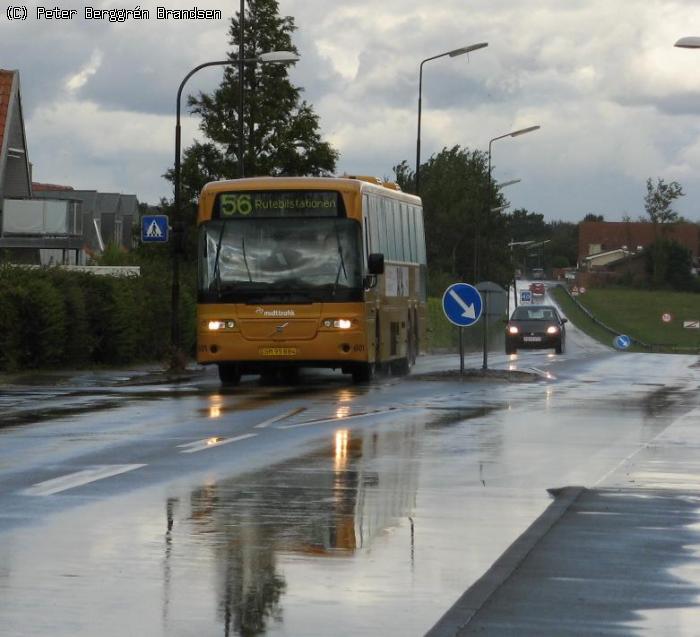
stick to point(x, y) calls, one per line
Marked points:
point(277, 203)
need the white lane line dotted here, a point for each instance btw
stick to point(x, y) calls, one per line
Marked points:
point(209, 443)
point(287, 414)
point(340, 420)
point(79, 478)
point(650, 443)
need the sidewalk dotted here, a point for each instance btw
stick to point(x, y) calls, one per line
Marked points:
point(617, 559)
point(33, 396)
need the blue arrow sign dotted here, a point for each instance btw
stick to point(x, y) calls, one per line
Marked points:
point(462, 304)
point(622, 341)
point(154, 228)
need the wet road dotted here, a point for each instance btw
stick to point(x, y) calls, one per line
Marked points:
point(319, 509)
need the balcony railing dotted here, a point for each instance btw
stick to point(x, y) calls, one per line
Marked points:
point(42, 217)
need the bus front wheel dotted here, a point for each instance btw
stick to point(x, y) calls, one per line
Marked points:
point(229, 374)
point(363, 372)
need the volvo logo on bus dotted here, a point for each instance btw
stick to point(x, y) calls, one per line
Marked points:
point(280, 328)
point(261, 311)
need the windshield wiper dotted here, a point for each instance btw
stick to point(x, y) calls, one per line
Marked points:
point(217, 270)
point(341, 265)
point(245, 258)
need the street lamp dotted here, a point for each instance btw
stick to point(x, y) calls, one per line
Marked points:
point(454, 53)
point(503, 184)
point(272, 57)
point(515, 133)
point(690, 42)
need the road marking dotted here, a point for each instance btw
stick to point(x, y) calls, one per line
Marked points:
point(323, 421)
point(208, 443)
point(79, 478)
point(288, 414)
point(650, 443)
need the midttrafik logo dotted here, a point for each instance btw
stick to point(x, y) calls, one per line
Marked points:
point(261, 311)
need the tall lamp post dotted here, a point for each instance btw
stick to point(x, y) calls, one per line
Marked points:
point(273, 57)
point(516, 133)
point(452, 54)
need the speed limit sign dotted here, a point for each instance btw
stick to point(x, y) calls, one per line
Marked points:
point(666, 317)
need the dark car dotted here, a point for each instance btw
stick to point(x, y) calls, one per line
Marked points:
point(535, 327)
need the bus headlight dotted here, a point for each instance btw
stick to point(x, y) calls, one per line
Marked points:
point(340, 324)
point(218, 325)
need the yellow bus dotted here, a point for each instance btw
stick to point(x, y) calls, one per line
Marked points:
point(310, 272)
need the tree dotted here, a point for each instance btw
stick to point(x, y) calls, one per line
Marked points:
point(593, 217)
point(657, 203)
point(281, 135)
point(669, 264)
point(526, 226)
point(464, 237)
point(659, 198)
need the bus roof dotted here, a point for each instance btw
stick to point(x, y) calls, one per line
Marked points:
point(342, 184)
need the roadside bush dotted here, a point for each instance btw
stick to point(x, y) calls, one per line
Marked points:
point(41, 323)
point(10, 342)
point(51, 317)
point(80, 341)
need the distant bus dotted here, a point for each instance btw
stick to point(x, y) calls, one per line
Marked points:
point(310, 272)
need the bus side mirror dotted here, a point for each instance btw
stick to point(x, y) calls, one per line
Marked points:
point(375, 263)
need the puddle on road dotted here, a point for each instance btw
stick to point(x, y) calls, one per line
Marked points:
point(377, 532)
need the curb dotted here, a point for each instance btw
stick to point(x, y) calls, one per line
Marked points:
point(457, 618)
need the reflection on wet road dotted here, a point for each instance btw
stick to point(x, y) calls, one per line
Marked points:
point(311, 510)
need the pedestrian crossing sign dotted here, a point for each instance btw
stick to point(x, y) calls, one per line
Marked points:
point(154, 228)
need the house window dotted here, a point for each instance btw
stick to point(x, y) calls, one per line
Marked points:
point(595, 248)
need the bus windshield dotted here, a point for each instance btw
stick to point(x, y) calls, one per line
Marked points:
point(292, 259)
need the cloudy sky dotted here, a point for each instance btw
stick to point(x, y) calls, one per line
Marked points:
point(616, 101)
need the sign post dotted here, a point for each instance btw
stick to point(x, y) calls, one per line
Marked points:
point(462, 305)
point(495, 299)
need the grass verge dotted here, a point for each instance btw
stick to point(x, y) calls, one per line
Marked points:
point(638, 313)
point(580, 319)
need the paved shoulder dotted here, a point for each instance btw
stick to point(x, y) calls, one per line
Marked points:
point(614, 563)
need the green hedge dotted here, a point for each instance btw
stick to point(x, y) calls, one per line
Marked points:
point(51, 317)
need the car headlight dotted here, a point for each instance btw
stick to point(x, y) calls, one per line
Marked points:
point(552, 329)
point(512, 329)
point(217, 325)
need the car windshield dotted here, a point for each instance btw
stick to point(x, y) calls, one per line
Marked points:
point(534, 314)
point(314, 259)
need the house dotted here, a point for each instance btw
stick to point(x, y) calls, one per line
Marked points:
point(107, 218)
point(605, 237)
point(43, 223)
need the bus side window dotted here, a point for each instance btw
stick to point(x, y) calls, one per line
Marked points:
point(407, 252)
point(400, 241)
point(412, 227)
point(383, 243)
point(420, 236)
point(390, 227)
point(366, 225)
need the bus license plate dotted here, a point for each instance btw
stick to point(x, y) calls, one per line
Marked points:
point(278, 351)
